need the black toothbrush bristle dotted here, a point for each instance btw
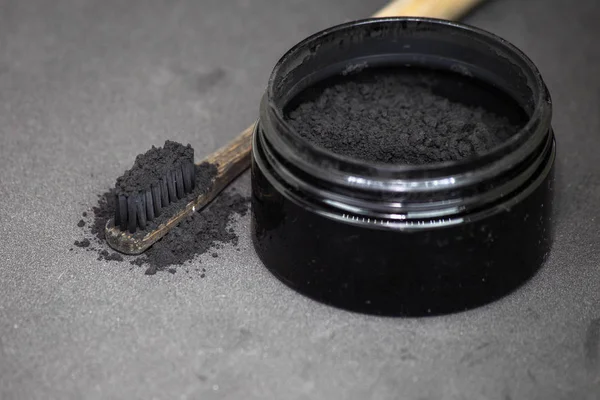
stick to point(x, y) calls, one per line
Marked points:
point(171, 186)
point(131, 213)
point(122, 210)
point(179, 183)
point(188, 169)
point(156, 199)
point(164, 192)
point(187, 177)
point(140, 203)
point(192, 168)
point(149, 205)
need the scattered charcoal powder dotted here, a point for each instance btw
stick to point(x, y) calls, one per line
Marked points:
point(404, 116)
point(83, 243)
point(102, 212)
point(172, 270)
point(197, 234)
point(139, 262)
point(81, 223)
point(84, 214)
point(105, 255)
point(151, 270)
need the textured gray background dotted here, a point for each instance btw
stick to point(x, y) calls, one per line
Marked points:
point(86, 85)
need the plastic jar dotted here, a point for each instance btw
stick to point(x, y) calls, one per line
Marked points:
point(401, 239)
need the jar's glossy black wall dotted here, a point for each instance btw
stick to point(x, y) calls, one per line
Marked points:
point(414, 273)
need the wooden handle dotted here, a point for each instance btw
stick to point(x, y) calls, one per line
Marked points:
point(443, 9)
point(234, 155)
point(231, 160)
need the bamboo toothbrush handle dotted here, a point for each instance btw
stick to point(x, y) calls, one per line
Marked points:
point(232, 159)
point(443, 9)
point(236, 152)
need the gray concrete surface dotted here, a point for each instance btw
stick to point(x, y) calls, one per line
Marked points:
point(86, 85)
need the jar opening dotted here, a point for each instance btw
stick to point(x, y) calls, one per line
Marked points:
point(419, 43)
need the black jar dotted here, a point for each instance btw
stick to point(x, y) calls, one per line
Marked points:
point(398, 239)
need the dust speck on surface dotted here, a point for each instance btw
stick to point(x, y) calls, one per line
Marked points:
point(592, 344)
point(199, 81)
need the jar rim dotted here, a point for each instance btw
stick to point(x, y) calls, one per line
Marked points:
point(540, 115)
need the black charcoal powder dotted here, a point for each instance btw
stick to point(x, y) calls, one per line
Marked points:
point(404, 116)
